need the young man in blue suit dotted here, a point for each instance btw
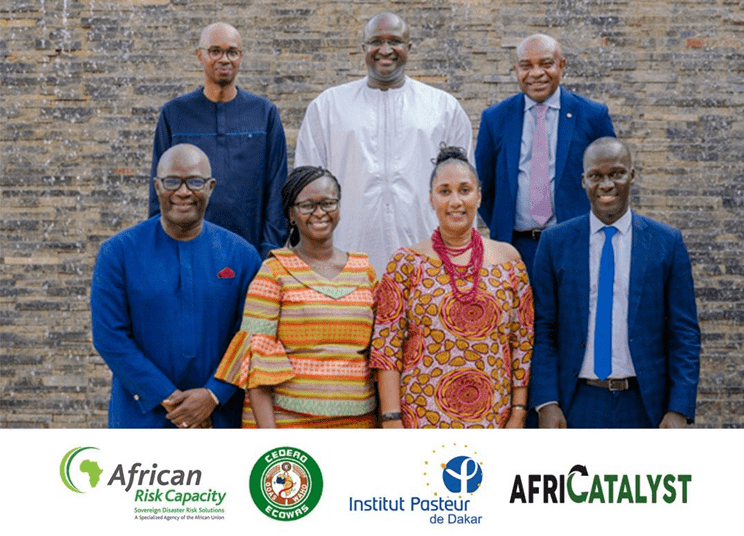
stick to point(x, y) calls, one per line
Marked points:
point(530, 148)
point(617, 342)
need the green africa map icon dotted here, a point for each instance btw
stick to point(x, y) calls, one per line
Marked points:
point(87, 466)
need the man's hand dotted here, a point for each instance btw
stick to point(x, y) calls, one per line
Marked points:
point(672, 419)
point(551, 416)
point(168, 402)
point(206, 423)
point(190, 409)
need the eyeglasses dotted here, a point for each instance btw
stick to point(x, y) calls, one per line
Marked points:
point(392, 43)
point(216, 53)
point(195, 184)
point(614, 176)
point(308, 207)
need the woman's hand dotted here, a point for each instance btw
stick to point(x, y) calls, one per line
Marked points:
point(393, 424)
point(388, 382)
point(517, 418)
point(262, 404)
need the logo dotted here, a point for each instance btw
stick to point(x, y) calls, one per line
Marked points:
point(80, 473)
point(286, 484)
point(580, 486)
point(462, 474)
point(448, 498)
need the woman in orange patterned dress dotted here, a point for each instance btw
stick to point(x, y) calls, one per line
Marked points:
point(301, 352)
point(453, 332)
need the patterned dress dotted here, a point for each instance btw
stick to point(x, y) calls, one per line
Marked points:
point(458, 362)
point(307, 337)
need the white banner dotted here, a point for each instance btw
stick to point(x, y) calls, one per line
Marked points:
point(373, 481)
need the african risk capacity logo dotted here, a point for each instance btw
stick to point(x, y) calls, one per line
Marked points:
point(286, 483)
point(79, 470)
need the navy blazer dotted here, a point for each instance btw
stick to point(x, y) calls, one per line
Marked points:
point(497, 154)
point(663, 331)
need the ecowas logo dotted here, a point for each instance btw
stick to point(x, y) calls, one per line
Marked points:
point(286, 483)
point(581, 487)
point(79, 469)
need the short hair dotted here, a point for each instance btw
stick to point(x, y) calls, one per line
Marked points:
point(388, 15)
point(607, 142)
point(184, 151)
point(544, 38)
point(208, 29)
point(296, 181)
point(447, 155)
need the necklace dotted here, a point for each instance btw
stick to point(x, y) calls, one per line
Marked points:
point(472, 268)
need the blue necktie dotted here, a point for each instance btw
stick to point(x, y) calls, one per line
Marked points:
point(603, 323)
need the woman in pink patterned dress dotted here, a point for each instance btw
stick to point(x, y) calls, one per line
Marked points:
point(453, 332)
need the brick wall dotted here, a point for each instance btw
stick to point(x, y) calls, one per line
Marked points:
point(82, 83)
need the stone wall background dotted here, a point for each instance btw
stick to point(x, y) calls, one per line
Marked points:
point(82, 83)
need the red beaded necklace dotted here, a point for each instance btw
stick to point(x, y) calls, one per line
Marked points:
point(472, 268)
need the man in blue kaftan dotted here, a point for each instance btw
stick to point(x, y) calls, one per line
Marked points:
point(242, 135)
point(166, 299)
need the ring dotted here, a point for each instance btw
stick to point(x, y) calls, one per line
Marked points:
point(184, 425)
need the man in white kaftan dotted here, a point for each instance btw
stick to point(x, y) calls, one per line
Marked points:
point(378, 136)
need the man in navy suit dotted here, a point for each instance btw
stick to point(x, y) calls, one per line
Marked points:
point(514, 183)
point(617, 342)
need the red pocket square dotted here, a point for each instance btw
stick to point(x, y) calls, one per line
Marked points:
point(226, 273)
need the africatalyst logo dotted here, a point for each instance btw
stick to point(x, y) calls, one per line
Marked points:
point(79, 469)
point(286, 483)
point(580, 486)
point(462, 474)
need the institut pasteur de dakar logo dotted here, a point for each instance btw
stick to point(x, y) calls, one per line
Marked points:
point(452, 476)
point(286, 483)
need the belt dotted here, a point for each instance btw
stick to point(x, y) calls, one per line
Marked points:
point(622, 384)
point(533, 234)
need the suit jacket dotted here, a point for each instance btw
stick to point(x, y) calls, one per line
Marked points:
point(663, 332)
point(497, 154)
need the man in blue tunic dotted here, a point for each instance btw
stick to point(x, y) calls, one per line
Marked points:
point(166, 299)
point(242, 135)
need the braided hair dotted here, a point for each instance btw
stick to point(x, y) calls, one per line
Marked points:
point(299, 178)
point(448, 154)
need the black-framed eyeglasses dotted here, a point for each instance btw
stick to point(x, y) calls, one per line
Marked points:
point(392, 43)
point(216, 53)
point(614, 176)
point(195, 184)
point(308, 207)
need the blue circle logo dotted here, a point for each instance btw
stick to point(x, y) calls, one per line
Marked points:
point(462, 474)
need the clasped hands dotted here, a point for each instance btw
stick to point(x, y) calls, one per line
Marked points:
point(190, 409)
